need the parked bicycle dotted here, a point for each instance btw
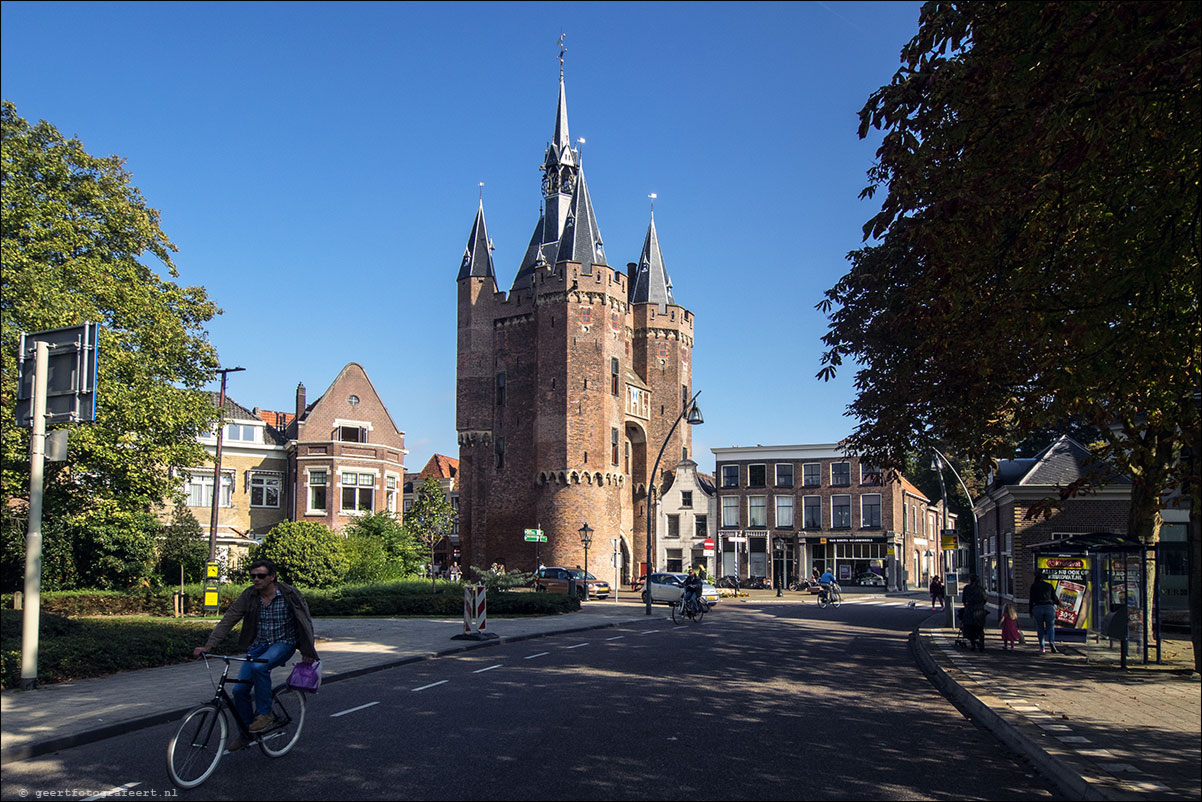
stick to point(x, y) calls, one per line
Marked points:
point(197, 746)
point(693, 610)
point(830, 597)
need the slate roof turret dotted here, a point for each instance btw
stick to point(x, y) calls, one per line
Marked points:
point(650, 282)
point(581, 238)
point(477, 256)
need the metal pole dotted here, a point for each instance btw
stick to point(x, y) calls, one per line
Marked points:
point(33, 539)
point(651, 491)
point(217, 464)
point(972, 547)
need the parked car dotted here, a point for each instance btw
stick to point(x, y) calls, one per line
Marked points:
point(869, 578)
point(558, 580)
point(666, 588)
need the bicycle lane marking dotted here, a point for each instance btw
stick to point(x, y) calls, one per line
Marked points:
point(353, 709)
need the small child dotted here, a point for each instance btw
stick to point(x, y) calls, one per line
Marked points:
point(1010, 633)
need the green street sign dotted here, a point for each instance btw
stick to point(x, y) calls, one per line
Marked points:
point(535, 536)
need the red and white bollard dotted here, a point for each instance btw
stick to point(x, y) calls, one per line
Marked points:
point(475, 609)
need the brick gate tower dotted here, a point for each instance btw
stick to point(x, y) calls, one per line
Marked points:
point(567, 385)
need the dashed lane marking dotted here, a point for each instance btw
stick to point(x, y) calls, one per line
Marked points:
point(532, 656)
point(353, 709)
point(119, 790)
point(431, 685)
point(490, 668)
point(578, 645)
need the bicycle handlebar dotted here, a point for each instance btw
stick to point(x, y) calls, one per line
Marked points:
point(227, 657)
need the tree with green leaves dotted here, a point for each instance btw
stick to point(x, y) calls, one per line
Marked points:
point(306, 553)
point(1036, 256)
point(76, 234)
point(183, 550)
point(379, 549)
point(430, 519)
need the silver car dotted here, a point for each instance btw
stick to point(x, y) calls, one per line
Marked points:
point(665, 588)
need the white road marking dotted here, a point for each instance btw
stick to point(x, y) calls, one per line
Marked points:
point(490, 668)
point(616, 637)
point(431, 685)
point(647, 631)
point(532, 656)
point(353, 709)
point(120, 789)
point(578, 645)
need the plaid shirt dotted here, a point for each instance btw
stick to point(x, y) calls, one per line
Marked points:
point(275, 622)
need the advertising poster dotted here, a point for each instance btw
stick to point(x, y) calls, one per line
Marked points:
point(1070, 577)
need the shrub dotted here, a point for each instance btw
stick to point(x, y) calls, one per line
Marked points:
point(306, 554)
point(400, 549)
point(368, 560)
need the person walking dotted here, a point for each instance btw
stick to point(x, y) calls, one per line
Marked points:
point(974, 613)
point(938, 592)
point(1043, 610)
point(275, 624)
point(1010, 633)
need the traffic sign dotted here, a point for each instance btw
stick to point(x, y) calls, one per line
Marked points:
point(708, 544)
point(535, 536)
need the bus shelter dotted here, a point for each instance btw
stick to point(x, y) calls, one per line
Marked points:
point(1102, 586)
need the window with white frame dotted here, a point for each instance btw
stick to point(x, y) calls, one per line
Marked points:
point(730, 511)
point(390, 494)
point(869, 474)
point(700, 526)
point(757, 475)
point(757, 511)
point(840, 512)
point(870, 511)
point(784, 474)
point(784, 511)
point(812, 508)
point(730, 475)
point(241, 433)
point(265, 489)
point(200, 490)
point(840, 474)
point(811, 473)
point(350, 434)
point(686, 499)
point(358, 491)
point(318, 481)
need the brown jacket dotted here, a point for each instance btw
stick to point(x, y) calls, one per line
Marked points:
point(246, 609)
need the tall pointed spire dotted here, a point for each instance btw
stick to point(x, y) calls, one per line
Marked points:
point(650, 283)
point(477, 256)
point(581, 238)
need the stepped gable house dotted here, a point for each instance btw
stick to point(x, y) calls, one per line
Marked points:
point(567, 384)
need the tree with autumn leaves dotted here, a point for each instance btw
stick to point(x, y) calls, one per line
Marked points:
point(1036, 256)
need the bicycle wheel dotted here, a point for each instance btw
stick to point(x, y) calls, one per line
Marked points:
point(678, 612)
point(702, 608)
point(823, 602)
point(288, 707)
point(837, 599)
point(196, 748)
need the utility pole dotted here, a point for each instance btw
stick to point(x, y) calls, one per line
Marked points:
point(217, 464)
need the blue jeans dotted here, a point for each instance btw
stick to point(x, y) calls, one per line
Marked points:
point(1045, 622)
point(275, 654)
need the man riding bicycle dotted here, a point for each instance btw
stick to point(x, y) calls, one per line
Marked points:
point(692, 588)
point(275, 624)
point(827, 585)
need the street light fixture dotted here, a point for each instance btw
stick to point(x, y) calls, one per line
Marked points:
point(778, 545)
point(692, 414)
point(217, 464)
point(586, 537)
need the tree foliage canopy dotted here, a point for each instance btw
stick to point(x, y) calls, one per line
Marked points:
point(1036, 256)
point(75, 231)
point(431, 517)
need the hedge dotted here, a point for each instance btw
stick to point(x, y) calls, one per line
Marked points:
point(78, 649)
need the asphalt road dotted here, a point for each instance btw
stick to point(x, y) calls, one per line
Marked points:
point(777, 701)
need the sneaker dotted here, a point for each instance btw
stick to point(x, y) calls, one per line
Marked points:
point(1041, 650)
point(239, 742)
point(1052, 646)
point(261, 723)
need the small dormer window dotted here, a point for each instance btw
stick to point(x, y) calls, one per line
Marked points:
point(351, 434)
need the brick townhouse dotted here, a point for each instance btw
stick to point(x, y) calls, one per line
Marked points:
point(824, 509)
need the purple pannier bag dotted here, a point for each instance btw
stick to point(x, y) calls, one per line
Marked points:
point(305, 676)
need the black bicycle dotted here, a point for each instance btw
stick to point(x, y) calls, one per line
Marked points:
point(197, 746)
point(693, 610)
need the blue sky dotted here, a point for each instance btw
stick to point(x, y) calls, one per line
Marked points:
point(318, 166)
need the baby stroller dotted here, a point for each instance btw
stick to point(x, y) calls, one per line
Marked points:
point(971, 634)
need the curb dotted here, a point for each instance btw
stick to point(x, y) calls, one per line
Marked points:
point(1065, 778)
point(26, 751)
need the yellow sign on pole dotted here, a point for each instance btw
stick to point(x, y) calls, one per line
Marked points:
point(949, 542)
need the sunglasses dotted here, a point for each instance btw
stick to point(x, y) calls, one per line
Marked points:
point(259, 576)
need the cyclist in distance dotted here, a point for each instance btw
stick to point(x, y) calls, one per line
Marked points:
point(692, 587)
point(826, 582)
point(275, 624)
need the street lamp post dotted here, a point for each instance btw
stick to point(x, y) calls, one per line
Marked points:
point(691, 413)
point(778, 545)
point(972, 547)
point(217, 464)
point(586, 537)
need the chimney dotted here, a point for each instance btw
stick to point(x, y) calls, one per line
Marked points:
point(300, 400)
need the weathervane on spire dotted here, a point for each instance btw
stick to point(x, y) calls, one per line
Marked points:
point(653, 196)
point(562, 50)
point(482, 192)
